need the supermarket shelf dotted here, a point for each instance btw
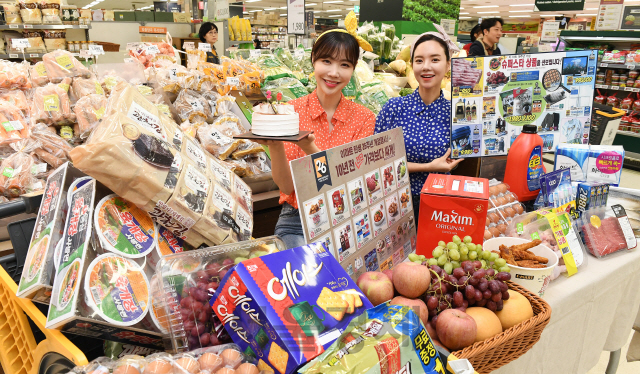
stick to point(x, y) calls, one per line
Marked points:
point(629, 133)
point(273, 40)
point(28, 55)
point(261, 24)
point(48, 27)
point(269, 33)
point(617, 88)
point(601, 36)
point(618, 66)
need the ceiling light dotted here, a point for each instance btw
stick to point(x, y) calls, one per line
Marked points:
point(587, 14)
point(334, 10)
point(464, 13)
point(591, 8)
point(334, 16)
point(523, 5)
point(520, 16)
point(488, 12)
point(552, 15)
point(333, 2)
point(283, 7)
point(318, 11)
point(251, 1)
point(282, 15)
point(519, 11)
point(253, 11)
point(464, 17)
point(270, 8)
point(461, 8)
point(312, 4)
point(485, 6)
point(245, 12)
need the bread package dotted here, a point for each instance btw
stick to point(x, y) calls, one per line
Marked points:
point(216, 142)
point(50, 12)
point(192, 106)
point(29, 12)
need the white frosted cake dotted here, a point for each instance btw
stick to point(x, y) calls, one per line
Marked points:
point(266, 123)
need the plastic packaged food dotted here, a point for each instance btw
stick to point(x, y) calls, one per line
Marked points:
point(13, 125)
point(15, 171)
point(50, 11)
point(36, 43)
point(606, 230)
point(12, 14)
point(83, 87)
point(89, 111)
point(60, 64)
point(51, 105)
point(14, 75)
point(189, 280)
point(29, 12)
point(291, 88)
point(216, 142)
point(192, 107)
point(17, 98)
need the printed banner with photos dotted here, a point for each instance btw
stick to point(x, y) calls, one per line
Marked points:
point(356, 199)
point(493, 97)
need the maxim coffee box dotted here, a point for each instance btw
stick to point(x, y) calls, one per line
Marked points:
point(288, 307)
point(451, 205)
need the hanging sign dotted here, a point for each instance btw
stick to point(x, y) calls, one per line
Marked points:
point(558, 5)
point(295, 17)
point(550, 31)
point(222, 10)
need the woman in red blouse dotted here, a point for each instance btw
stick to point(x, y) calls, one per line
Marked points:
point(333, 119)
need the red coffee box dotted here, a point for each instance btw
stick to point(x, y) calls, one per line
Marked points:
point(451, 205)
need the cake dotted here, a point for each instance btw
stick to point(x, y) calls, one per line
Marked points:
point(266, 123)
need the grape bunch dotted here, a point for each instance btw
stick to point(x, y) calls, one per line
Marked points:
point(449, 256)
point(468, 285)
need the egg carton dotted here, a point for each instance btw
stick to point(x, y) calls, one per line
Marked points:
point(222, 359)
point(185, 283)
point(497, 188)
point(499, 219)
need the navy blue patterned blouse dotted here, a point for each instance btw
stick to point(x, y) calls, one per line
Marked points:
point(427, 129)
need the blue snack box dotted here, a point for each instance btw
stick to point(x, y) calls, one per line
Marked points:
point(286, 308)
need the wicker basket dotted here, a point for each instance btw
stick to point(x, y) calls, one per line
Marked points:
point(491, 354)
point(109, 47)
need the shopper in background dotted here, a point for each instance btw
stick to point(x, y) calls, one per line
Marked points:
point(487, 44)
point(257, 44)
point(424, 115)
point(475, 33)
point(209, 34)
point(333, 119)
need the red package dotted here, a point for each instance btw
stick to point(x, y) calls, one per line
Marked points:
point(613, 101)
point(627, 102)
point(604, 240)
point(600, 98)
point(636, 104)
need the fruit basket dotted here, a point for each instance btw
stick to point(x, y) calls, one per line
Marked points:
point(493, 353)
point(185, 282)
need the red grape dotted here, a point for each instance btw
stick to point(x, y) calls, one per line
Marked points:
point(499, 305)
point(200, 295)
point(227, 262)
point(471, 302)
point(198, 330)
point(468, 268)
point(491, 306)
point(483, 285)
point(487, 294)
point(478, 296)
point(458, 272)
point(504, 287)
point(432, 302)
point(186, 302)
point(494, 287)
point(477, 264)
point(465, 303)
point(433, 312)
point(463, 281)
point(474, 281)
point(503, 276)
point(505, 296)
point(451, 279)
point(458, 299)
point(497, 297)
point(448, 299)
point(470, 292)
point(491, 272)
point(205, 339)
point(443, 306)
point(193, 342)
point(479, 274)
point(481, 303)
point(461, 308)
point(188, 325)
point(434, 320)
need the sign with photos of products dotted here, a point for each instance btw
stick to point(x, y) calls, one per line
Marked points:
point(493, 97)
point(356, 199)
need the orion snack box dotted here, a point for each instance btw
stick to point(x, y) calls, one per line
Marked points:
point(286, 308)
point(387, 339)
point(451, 205)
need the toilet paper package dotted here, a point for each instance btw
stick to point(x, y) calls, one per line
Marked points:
point(605, 164)
point(575, 158)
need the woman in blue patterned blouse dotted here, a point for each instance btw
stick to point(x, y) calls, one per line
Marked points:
point(424, 115)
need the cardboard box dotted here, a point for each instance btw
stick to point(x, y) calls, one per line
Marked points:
point(287, 308)
point(124, 16)
point(144, 16)
point(451, 205)
point(163, 16)
point(281, 22)
point(180, 17)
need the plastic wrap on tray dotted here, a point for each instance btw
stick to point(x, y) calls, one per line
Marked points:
point(29, 12)
point(61, 64)
point(189, 280)
point(89, 111)
point(51, 105)
point(602, 232)
point(15, 171)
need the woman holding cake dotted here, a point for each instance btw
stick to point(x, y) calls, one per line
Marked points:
point(333, 119)
point(424, 115)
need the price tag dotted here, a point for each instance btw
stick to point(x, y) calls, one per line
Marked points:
point(629, 89)
point(635, 90)
point(600, 86)
point(631, 66)
point(205, 47)
point(20, 43)
point(13, 26)
point(188, 46)
point(28, 26)
point(616, 88)
point(96, 50)
point(13, 55)
point(153, 49)
point(254, 53)
point(298, 26)
point(604, 65)
point(128, 60)
point(298, 53)
point(233, 81)
point(84, 26)
point(85, 54)
point(34, 55)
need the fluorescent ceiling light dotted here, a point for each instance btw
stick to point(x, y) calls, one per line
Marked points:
point(488, 12)
point(283, 7)
point(283, 15)
point(519, 11)
point(245, 12)
point(333, 2)
point(251, 1)
point(270, 8)
point(591, 8)
point(334, 10)
point(318, 11)
point(520, 16)
point(464, 17)
point(465, 13)
point(334, 16)
point(485, 6)
point(522, 5)
point(312, 4)
point(461, 8)
point(551, 15)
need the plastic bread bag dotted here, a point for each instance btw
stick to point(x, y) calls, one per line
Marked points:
point(15, 171)
point(12, 13)
point(212, 98)
point(216, 142)
point(130, 158)
point(194, 57)
point(247, 148)
point(606, 230)
point(192, 107)
point(17, 98)
point(229, 124)
point(89, 110)
point(191, 129)
point(29, 12)
point(60, 64)
point(231, 67)
point(239, 167)
point(213, 70)
point(258, 163)
point(55, 39)
point(51, 105)
point(14, 75)
point(36, 43)
point(250, 83)
point(53, 150)
point(385, 339)
point(224, 104)
point(50, 11)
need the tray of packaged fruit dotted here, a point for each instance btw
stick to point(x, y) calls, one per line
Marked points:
point(185, 282)
point(504, 207)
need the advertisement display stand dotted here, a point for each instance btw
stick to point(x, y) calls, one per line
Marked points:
point(493, 97)
point(356, 199)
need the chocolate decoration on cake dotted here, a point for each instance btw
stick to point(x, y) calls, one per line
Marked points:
point(154, 151)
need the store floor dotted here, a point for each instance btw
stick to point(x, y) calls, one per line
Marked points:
point(624, 366)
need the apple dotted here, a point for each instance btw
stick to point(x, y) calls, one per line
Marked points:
point(431, 330)
point(417, 305)
point(389, 273)
point(376, 286)
point(410, 279)
point(456, 329)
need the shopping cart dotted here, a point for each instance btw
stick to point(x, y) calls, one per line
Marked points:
point(26, 346)
point(604, 124)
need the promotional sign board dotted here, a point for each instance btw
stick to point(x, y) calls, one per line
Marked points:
point(493, 97)
point(555, 5)
point(295, 17)
point(356, 199)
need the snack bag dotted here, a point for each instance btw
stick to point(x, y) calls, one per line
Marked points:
point(385, 339)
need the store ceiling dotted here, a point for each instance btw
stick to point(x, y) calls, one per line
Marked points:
point(326, 9)
point(522, 10)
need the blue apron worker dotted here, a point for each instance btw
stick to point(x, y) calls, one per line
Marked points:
point(209, 34)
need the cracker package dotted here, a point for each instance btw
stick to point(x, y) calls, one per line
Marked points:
point(387, 339)
point(288, 308)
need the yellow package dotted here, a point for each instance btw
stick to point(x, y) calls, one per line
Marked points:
point(232, 35)
point(247, 28)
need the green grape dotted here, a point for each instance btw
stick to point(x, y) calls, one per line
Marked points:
point(452, 245)
point(478, 247)
point(441, 243)
point(464, 257)
point(493, 256)
point(467, 239)
point(486, 255)
point(456, 264)
point(439, 251)
point(454, 254)
point(484, 264)
point(442, 260)
point(473, 255)
point(413, 257)
point(506, 269)
point(464, 250)
point(500, 262)
point(432, 261)
point(472, 247)
point(456, 239)
point(423, 258)
point(448, 267)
